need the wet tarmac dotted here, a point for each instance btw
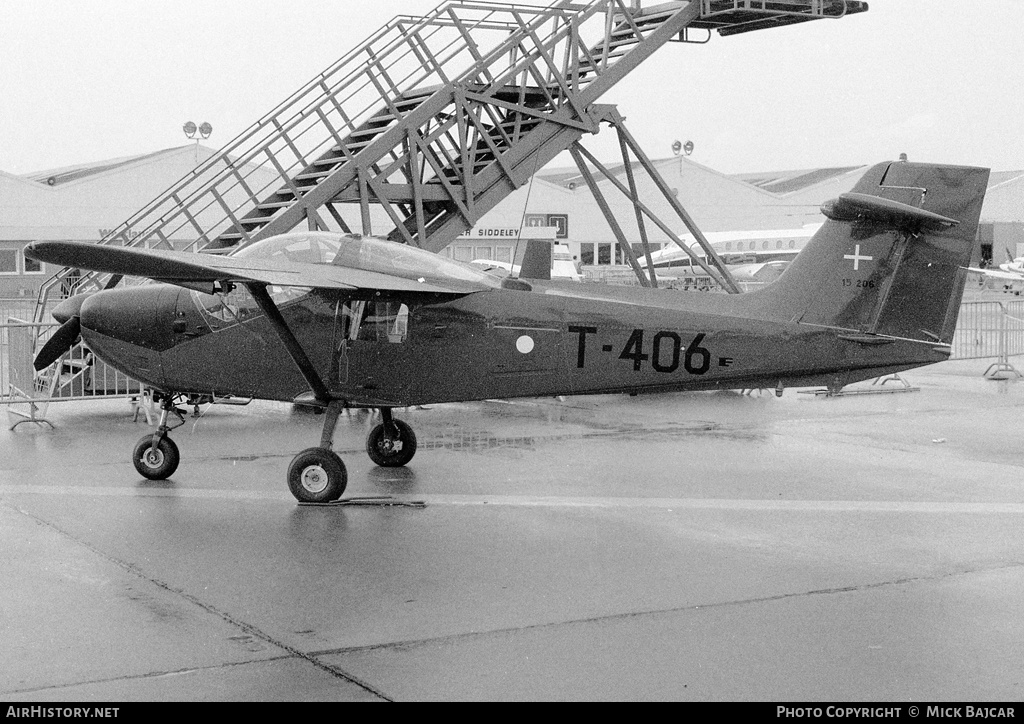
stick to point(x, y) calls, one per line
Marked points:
point(680, 547)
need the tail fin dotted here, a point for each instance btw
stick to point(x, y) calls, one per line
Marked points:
point(536, 262)
point(891, 258)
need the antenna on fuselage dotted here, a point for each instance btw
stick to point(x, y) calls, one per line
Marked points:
point(522, 219)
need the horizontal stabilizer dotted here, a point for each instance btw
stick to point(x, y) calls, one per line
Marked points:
point(195, 270)
point(854, 207)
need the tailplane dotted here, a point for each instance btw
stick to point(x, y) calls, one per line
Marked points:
point(891, 259)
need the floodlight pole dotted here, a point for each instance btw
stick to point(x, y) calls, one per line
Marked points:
point(204, 130)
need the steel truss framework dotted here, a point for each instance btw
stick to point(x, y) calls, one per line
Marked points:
point(628, 146)
point(434, 120)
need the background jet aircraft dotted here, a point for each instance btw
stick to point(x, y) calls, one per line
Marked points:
point(741, 247)
point(369, 323)
point(1010, 274)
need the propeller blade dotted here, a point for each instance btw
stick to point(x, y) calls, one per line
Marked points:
point(61, 341)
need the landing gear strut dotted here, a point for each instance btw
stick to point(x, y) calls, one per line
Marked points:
point(156, 456)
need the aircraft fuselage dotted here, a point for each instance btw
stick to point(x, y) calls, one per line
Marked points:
point(407, 349)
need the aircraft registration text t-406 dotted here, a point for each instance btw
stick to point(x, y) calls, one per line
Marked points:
point(665, 355)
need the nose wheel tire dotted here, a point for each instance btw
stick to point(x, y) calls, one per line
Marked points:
point(392, 452)
point(156, 463)
point(317, 475)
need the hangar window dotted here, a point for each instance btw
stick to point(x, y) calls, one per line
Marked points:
point(31, 265)
point(604, 253)
point(8, 261)
point(587, 253)
point(503, 253)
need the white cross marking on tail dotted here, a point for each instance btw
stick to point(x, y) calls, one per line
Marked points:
point(857, 258)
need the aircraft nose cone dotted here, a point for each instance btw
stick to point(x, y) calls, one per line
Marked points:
point(70, 307)
point(140, 316)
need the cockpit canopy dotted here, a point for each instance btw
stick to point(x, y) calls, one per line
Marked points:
point(352, 251)
point(364, 252)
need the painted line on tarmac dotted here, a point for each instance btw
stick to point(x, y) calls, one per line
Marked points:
point(164, 491)
point(671, 504)
point(523, 501)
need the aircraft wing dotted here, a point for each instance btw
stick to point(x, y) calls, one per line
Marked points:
point(193, 269)
point(997, 274)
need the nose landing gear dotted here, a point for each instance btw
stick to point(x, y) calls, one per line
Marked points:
point(156, 456)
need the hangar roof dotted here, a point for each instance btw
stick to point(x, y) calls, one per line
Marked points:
point(57, 176)
point(784, 182)
point(775, 182)
point(100, 194)
point(998, 178)
point(563, 176)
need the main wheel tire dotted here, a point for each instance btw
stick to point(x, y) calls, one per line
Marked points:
point(391, 453)
point(159, 463)
point(317, 475)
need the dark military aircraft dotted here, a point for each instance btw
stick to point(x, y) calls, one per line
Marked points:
point(342, 321)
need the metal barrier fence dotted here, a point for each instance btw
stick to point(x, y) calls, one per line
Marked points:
point(979, 330)
point(77, 375)
point(18, 308)
point(990, 329)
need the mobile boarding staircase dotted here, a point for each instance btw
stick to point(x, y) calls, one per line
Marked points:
point(433, 120)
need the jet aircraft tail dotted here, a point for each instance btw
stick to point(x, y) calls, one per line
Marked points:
point(536, 262)
point(891, 259)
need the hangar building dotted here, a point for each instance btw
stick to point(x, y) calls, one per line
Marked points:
point(83, 202)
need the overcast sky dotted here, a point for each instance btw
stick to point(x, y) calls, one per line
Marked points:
point(940, 80)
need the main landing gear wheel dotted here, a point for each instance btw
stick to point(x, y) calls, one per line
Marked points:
point(391, 450)
point(157, 463)
point(317, 475)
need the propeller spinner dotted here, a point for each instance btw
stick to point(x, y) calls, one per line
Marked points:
point(68, 314)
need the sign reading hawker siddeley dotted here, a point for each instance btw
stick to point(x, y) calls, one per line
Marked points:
point(535, 226)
